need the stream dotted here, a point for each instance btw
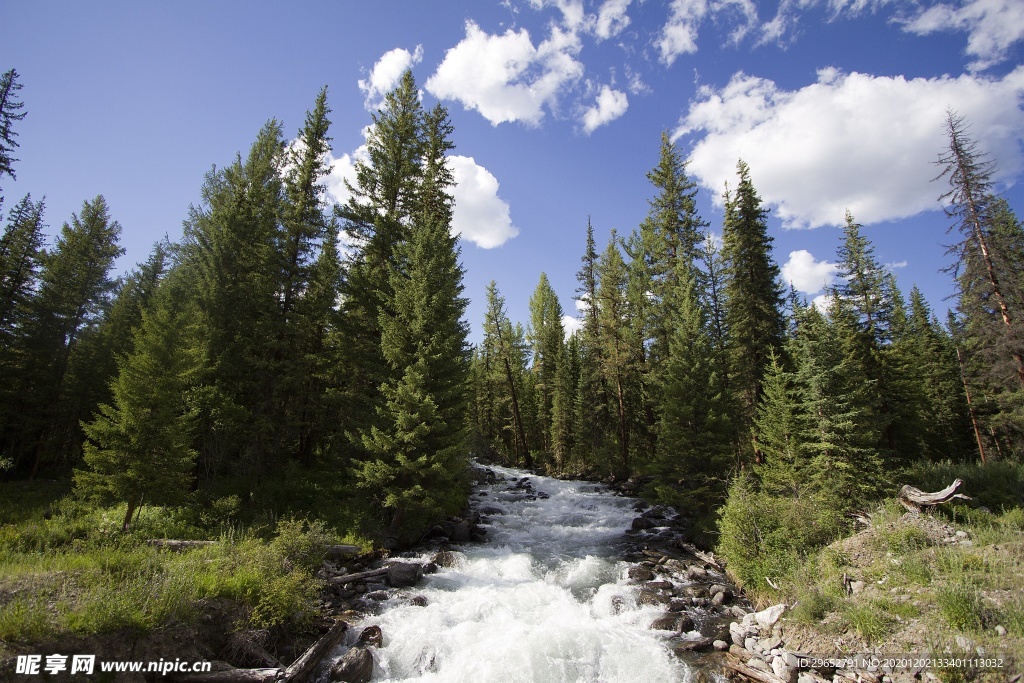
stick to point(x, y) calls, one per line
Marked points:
point(545, 598)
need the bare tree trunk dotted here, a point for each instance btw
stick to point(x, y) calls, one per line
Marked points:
point(970, 406)
point(518, 419)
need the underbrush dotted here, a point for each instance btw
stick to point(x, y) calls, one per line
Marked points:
point(76, 573)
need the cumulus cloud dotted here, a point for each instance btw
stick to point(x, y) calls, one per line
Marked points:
point(612, 19)
point(807, 274)
point(571, 325)
point(610, 105)
point(679, 34)
point(385, 74)
point(343, 169)
point(505, 77)
point(858, 142)
point(480, 215)
point(992, 27)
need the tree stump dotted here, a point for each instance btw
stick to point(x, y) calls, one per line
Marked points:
point(915, 499)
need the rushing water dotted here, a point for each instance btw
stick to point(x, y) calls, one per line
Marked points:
point(544, 599)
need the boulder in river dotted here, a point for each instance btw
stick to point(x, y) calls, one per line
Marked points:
point(638, 573)
point(355, 666)
point(372, 635)
point(404, 574)
point(449, 558)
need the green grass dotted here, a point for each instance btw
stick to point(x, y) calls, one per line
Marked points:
point(961, 606)
point(870, 623)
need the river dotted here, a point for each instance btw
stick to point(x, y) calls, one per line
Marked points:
point(544, 599)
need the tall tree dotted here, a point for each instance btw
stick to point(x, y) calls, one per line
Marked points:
point(593, 419)
point(546, 335)
point(139, 446)
point(10, 111)
point(419, 450)
point(754, 297)
point(970, 200)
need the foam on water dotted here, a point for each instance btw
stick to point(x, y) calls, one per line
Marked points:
point(543, 600)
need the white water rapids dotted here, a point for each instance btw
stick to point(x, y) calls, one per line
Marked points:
point(544, 599)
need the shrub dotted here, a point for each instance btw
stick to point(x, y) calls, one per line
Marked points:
point(960, 605)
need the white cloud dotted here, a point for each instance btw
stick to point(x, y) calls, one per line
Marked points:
point(385, 74)
point(480, 215)
point(822, 302)
point(858, 142)
point(343, 169)
point(571, 325)
point(610, 105)
point(679, 34)
point(807, 274)
point(572, 11)
point(993, 26)
point(611, 19)
point(896, 264)
point(505, 77)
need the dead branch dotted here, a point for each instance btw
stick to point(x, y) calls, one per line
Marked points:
point(915, 499)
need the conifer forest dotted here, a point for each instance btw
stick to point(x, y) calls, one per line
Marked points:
point(290, 358)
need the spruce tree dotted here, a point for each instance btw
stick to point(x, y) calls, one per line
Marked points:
point(593, 418)
point(546, 335)
point(753, 295)
point(10, 111)
point(564, 434)
point(418, 451)
point(139, 446)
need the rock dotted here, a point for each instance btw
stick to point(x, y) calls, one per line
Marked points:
point(379, 596)
point(404, 574)
point(696, 572)
point(659, 585)
point(750, 644)
point(720, 645)
point(964, 643)
point(460, 531)
point(806, 678)
point(677, 605)
point(769, 644)
point(783, 670)
point(717, 588)
point(372, 635)
point(791, 658)
point(766, 618)
point(738, 611)
point(721, 598)
point(1001, 631)
point(449, 558)
point(355, 666)
point(857, 587)
point(418, 601)
point(668, 622)
point(647, 597)
point(699, 645)
point(639, 573)
point(491, 510)
point(686, 623)
point(478, 536)
point(641, 523)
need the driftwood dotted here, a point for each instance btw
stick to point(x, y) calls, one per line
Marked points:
point(753, 674)
point(359, 576)
point(298, 672)
point(916, 500)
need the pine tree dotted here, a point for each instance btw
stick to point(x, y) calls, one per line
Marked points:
point(139, 446)
point(970, 203)
point(593, 418)
point(564, 435)
point(546, 335)
point(780, 426)
point(752, 292)
point(20, 260)
point(74, 290)
point(10, 111)
point(419, 450)
point(504, 368)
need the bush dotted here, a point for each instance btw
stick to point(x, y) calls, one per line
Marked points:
point(767, 536)
point(960, 605)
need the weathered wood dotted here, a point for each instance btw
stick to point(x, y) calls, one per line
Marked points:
point(358, 576)
point(234, 676)
point(310, 659)
point(752, 674)
point(336, 552)
point(177, 546)
point(915, 499)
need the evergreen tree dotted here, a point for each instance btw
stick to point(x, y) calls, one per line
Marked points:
point(546, 335)
point(593, 417)
point(20, 260)
point(74, 290)
point(753, 295)
point(10, 111)
point(970, 203)
point(780, 426)
point(419, 450)
point(503, 369)
point(564, 435)
point(138, 447)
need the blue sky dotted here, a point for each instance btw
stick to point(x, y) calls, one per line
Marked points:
point(558, 106)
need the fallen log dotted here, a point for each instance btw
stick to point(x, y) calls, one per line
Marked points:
point(915, 500)
point(752, 674)
point(358, 576)
point(336, 552)
point(298, 672)
point(310, 659)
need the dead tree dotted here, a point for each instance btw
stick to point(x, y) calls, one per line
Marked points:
point(916, 500)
